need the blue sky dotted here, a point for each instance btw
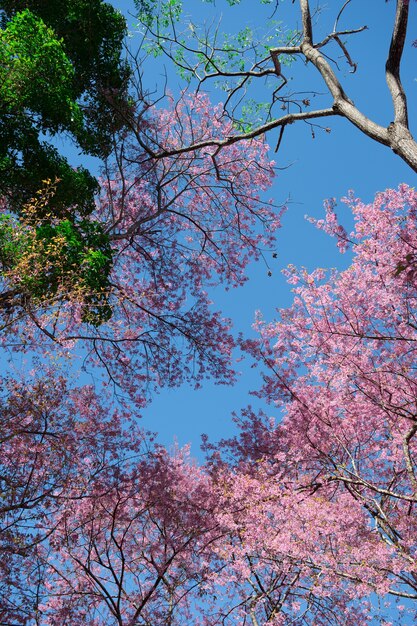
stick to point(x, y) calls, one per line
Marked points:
point(310, 170)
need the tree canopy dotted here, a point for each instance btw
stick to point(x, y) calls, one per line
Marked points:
point(61, 68)
point(307, 518)
point(61, 73)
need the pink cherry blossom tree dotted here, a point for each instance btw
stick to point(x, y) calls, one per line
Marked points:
point(177, 226)
point(132, 552)
point(55, 443)
point(335, 480)
point(75, 496)
point(289, 556)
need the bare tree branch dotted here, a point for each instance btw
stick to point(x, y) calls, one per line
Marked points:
point(393, 63)
point(396, 136)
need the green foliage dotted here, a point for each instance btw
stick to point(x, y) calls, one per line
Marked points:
point(60, 71)
point(159, 12)
point(80, 259)
point(11, 247)
point(253, 114)
point(35, 96)
point(47, 258)
point(36, 74)
point(91, 33)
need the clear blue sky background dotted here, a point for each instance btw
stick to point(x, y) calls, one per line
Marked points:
point(327, 166)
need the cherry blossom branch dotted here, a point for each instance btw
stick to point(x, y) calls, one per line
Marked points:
point(285, 120)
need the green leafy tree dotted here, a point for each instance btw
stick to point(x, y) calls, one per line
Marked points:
point(61, 72)
point(36, 97)
point(92, 34)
